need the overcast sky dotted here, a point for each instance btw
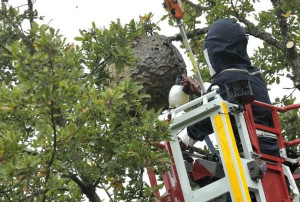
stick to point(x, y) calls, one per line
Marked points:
point(72, 15)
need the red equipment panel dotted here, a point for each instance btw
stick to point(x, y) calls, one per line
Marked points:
point(274, 182)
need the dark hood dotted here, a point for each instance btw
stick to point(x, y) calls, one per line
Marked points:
point(225, 48)
point(226, 44)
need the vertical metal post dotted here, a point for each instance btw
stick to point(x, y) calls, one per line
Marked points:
point(190, 54)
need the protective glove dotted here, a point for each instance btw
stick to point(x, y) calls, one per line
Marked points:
point(190, 85)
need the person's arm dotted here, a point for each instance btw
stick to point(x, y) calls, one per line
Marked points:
point(190, 85)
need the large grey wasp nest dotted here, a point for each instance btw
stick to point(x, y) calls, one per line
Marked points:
point(159, 63)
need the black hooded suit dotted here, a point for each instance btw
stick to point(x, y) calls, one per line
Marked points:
point(225, 50)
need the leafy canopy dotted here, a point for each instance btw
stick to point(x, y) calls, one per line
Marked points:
point(65, 131)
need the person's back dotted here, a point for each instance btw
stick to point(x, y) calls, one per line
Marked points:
point(225, 51)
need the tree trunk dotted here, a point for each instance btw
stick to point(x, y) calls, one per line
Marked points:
point(86, 187)
point(296, 71)
point(93, 196)
point(293, 58)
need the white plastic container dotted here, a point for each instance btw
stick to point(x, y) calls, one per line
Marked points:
point(177, 97)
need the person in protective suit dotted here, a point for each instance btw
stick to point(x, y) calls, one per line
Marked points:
point(225, 51)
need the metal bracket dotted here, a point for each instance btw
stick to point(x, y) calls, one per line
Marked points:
point(282, 153)
point(257, 169)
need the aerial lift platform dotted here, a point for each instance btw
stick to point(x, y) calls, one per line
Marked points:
point(226, 173)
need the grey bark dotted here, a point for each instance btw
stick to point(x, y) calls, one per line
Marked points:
point(87, 188)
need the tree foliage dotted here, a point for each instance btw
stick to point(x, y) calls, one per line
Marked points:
point(65, 131)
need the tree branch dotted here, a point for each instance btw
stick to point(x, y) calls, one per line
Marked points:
point(190, 34)
point(39, 193)
point(80, 126)
point(86, 188)
point(197, 7)
point(106, 191)
point(5, 49)
point(7, 197)
point(141, 181)
point(50, 163)
point(282, 20)
point(293, 57)
point(18, 30)
point(80, 183)
point(31, 14)
point(252, 30)
point(52, 111)
point(265, 36)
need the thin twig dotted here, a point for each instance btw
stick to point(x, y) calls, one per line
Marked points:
point(5, 49)
point(40, 192)
point(256, 32)
point(106, 191)
point(53, 122)
point(18, 30)
point(292, 92)
point(7, 197)
point(198, 7)
point(141, 181)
